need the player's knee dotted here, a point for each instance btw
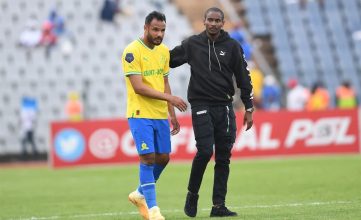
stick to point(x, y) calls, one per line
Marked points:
point(147, 159)
point(162, 159)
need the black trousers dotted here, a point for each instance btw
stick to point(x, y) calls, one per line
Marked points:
point(213, 126)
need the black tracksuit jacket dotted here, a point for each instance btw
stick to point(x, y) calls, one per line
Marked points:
point(213, 64)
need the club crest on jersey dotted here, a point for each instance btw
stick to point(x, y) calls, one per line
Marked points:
point(144, 147)
point(129, 57)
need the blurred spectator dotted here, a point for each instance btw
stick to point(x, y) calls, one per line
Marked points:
point(346, 96)
point(319, 98)
point(74, 107)
point(58, 22)
point(65, 38)
point(30, 37)
point(297, 96)
point(237, 34)
point(28, 116)
point(109, 9)
point(48, 38)
point(257, 82)
point(271, 94)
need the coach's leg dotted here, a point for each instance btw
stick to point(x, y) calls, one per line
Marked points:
point(203, 133)
point(225, 135)
point(221, 172)
point(199, 165)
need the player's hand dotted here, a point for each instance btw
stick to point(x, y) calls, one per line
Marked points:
point(175, 126)
point(178, 103)
point(248, 119)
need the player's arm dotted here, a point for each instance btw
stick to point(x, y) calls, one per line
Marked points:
point(142, 89)
point(172, 115)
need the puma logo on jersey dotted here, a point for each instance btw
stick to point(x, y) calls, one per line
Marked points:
point(222, 53)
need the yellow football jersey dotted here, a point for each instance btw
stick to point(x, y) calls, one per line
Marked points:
point(153, 65)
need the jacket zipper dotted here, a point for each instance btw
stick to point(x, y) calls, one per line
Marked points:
point(227, 118)
point(219, 64)
point(209, 56)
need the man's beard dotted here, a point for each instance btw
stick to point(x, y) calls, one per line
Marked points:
point(155, 41)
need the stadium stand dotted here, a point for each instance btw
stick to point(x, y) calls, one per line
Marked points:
point(92, 69)
point(310, 43)
point(314, 43)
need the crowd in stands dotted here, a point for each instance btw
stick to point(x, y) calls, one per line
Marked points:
point(268, 95)
point(50, 33)
point(268, 92)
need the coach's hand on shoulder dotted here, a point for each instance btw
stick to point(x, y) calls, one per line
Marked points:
point(178, 103)
point(248, 119)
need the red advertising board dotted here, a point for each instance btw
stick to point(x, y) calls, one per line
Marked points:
point(273, 134)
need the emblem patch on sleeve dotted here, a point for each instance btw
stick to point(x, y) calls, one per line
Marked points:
point(129, 57)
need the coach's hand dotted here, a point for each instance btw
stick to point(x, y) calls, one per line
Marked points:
point(175, 126)
point(178, 103)
point(248, 119)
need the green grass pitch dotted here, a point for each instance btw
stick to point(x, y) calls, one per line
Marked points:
point(317, 187)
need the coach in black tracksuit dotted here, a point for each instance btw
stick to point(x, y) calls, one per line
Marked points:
point(214, 58)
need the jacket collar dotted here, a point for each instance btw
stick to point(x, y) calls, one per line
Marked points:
point(223, 36)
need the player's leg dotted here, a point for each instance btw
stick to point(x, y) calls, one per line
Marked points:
point(146, 177)
point(225, 134)
point(162, 148)
point(161, 161)
point(203, 132)
point(143, 134)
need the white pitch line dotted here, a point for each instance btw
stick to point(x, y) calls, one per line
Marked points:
point(178, 210)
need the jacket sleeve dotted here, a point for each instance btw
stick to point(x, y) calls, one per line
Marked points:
point(242, 76)
point(179, 55)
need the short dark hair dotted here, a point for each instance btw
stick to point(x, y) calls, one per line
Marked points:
point(214, 9)
point(155, 15)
